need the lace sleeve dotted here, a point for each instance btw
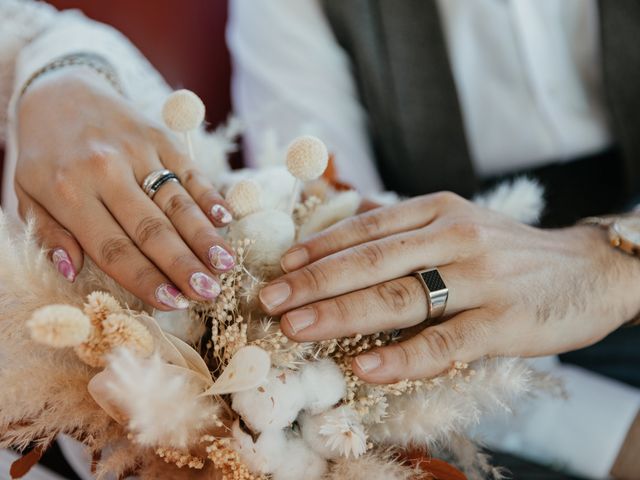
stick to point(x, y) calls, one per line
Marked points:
point(32, 34)
point(20, 22)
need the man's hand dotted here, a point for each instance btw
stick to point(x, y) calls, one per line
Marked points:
point(513, 289)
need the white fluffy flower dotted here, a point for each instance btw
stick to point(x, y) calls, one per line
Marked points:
point(324, 385)
point(265, 454)
point(59, 326)
point(310, 426)
point(522, 199)
point(343, 432)
point(161, 402)
point(273, 405)
point(301, 462)
point(273, 233)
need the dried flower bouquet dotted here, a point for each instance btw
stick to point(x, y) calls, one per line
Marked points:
point(217, 391)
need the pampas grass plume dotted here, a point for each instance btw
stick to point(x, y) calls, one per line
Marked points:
point(59, 326)
point(163, 406)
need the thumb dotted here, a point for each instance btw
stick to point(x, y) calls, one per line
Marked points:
point(463, 338)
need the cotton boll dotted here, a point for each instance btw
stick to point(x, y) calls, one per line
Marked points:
point(274, 405)
point(244, 198)
point(183, 111)
point(273, 233)
point(265, 454)
point(310, 426)
point(301, 462)
point(324, 385)
point(307, 158)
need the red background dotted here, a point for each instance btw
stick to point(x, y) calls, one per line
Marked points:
point(183, 39)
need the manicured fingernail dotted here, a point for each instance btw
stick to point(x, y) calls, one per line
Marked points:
point(369, 361)
point(63, 264)
point(301, 319)
point(221, 214)
point(296, 258)
point(275, 294)
point(221, 259)
point(204, 285)
point(170, 296)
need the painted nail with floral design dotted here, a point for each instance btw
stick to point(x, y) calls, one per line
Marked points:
point(63, 264)
point(170, 296)
point(204, 285)
point(221, 215)
point(221, 259)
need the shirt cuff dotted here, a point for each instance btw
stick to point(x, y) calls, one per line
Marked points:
point(581, 434)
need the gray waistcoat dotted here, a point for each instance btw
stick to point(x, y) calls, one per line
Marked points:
point(400, 62)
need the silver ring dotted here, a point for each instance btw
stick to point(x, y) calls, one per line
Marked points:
point(436, 290)
point(152, 182)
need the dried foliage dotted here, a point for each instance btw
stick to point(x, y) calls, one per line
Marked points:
point(150, 398)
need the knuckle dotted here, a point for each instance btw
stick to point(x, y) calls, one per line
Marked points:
point(114, 249)
point(146, 275)
point(341, 309)
point(182, 262)
point(370, 255)
point(368, 225)
point(149, 228)
point(470, 231)
point(314, 276)
point(178, 204)
point(446, 198)
point(100, 162)
point(441, 343)
point(408, 356)
point(63, 185)
point(189, 175)
point(396, 296)
point(205, 235)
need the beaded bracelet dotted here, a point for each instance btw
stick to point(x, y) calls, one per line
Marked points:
point(90, 60)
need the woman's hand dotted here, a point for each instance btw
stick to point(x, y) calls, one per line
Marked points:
point(513, 289)
point(83, 154)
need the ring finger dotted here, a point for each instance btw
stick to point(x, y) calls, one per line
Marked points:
point(157, 238)
point(194, 227)
point(396, 304)
point(196, 183)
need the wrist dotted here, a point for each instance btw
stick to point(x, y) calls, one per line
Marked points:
point(615, 272)
point(91, 65)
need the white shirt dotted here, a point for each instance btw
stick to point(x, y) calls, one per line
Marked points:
point(527, 74)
